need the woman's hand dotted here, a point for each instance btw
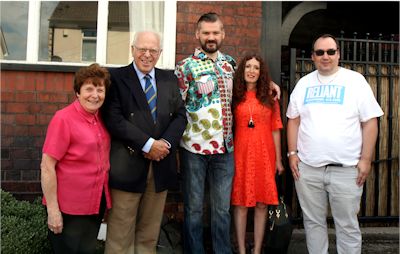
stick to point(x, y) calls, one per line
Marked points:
point(279, 167)
point(54, 220)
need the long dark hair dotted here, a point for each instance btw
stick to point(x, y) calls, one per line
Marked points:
point(263, 83)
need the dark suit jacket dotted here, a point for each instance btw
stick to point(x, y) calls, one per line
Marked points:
point(127, 116)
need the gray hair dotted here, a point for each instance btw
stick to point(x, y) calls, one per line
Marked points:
point(147, 31)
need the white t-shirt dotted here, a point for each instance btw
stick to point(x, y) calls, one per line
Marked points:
point(330, 116)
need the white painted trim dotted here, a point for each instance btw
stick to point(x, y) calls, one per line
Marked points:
point(32, 40)
point(102, 27)
point(170, 8)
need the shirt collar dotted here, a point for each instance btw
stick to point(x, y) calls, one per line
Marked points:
point(88, 116)
point(202, 56)
point(141, 74)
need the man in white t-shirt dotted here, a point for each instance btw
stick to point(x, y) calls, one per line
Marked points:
point(332, 131)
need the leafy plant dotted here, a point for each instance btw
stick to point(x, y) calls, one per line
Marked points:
point(23, 226)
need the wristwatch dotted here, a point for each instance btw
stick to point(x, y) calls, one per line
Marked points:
point(291, 153)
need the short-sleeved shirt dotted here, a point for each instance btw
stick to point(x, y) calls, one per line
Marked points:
point(330, 117)
point(80, 143)
point(206, 89)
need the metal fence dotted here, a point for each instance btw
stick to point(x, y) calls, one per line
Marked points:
point(378, 60)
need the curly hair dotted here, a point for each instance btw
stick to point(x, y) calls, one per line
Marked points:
point(93, 73)
point(263, 87)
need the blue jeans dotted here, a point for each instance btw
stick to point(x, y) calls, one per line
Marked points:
point(218, 168)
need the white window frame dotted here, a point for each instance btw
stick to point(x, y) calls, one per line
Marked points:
point(32, 49)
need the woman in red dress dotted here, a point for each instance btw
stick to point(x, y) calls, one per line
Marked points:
point(257, 148)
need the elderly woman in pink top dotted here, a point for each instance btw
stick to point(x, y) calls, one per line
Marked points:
point(75, 166)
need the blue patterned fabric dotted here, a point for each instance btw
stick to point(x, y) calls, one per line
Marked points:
point(151, 97)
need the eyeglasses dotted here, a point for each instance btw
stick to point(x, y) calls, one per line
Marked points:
point(321, 52)
point(153, 52)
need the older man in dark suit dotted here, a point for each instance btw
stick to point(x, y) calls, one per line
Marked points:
point(145, 116)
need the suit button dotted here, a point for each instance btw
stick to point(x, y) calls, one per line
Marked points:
point(132, 114)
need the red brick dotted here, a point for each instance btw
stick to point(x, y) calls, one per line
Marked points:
point(8, 80)
point(229, 21)
point(7, 130)
point(7, 118)
point(43, 119)
point(182, 7)
point(182, 27)
point(34, 108)
point(21, 153)
point(30, 175)
point(54, 81)
point(37, 130)
point(26, 164)
point(49, 108)
point(52, 97)
point(250, 11)
point(187, 18)
point(230, 11)
point(23, 83)
point(12, 175)
point(71, 97)
point(62, 105)
point(25, 119)
point(6, 141)
point(16, 107)
point(204, 7)
point(39, 141)
point(12, 186)
point(5, 153)
point(7, 96)
point(25, 97)
point(20, 131)
point(6, 164)
point(3, 107)
point(69, 82)
point(40, 83)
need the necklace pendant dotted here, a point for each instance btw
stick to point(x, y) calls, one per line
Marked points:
point(251, 124)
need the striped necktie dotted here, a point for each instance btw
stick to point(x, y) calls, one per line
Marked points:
point(151, 96)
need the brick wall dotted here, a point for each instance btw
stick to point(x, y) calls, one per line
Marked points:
point(28, 101)
point(242, 22)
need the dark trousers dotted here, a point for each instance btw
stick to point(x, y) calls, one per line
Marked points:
point(79, 234)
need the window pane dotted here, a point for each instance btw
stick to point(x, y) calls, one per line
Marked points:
point(89, 51)
point(118, 45)
point(62, 26)
point(13, 30)
point(126, 18)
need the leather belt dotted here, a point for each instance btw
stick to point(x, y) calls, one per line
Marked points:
point(334, 165)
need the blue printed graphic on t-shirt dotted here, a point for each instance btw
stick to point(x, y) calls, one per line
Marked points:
point(324, 94)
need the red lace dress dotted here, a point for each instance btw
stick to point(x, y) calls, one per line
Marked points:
point(254, 148)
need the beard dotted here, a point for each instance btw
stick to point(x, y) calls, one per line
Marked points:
point(216, 46)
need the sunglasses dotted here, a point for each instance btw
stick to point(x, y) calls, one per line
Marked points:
point(321, 52)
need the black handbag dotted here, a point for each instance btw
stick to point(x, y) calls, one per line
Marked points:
point(278, 230)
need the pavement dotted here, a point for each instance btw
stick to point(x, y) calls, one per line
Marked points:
point(383, 240)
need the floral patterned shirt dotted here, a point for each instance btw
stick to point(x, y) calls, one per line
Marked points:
point(206, 88)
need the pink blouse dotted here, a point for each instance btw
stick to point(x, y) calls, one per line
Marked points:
point(80, 143)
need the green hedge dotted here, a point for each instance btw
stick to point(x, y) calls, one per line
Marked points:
point(23, 226)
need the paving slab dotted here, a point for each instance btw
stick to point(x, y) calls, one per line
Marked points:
point(384, 240)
